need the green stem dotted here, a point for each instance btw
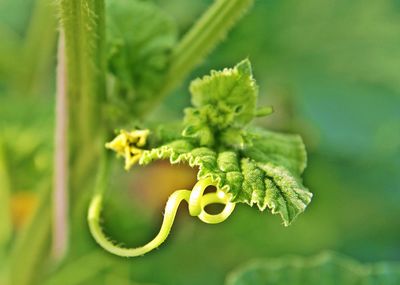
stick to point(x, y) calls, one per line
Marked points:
point(83, 24)
point(5, 215)
point(197, 203)
point(5, 210)
point(201, 39)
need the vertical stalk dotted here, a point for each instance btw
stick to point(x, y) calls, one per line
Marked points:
point(5, 215)
point(211, 28)
point(83, 24)
point(5, 211)
point(60, 184)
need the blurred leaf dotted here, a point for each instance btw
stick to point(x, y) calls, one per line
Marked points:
point(27, 49)
point(31, 245)
point(15, 14)
point(38, 51)
point(26, 131)
point(81, 270)
point(325, 268)
point(140, 38)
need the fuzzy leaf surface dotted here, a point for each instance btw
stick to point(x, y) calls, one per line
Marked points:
point(270, 178)
point(223, 103)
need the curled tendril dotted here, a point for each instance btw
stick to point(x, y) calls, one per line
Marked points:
point(197, 201)
point(126, 144)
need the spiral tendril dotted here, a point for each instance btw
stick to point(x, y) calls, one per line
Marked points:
point(196, 200)
point(128, 145)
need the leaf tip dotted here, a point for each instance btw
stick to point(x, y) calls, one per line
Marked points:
point(244, 67)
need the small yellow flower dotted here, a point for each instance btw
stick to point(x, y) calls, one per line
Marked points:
point(127, 144)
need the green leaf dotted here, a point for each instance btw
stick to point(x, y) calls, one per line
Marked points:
point(325, 268)
point(140, 38)
point(266, 173)
point(224, 101)
point(282, 149)
point(253, 165)
point(232, 91)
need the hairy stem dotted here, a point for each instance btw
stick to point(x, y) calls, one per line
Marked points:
point(201, 39)
point(83, 24)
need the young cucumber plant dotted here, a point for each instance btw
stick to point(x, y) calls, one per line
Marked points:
point(244, 163)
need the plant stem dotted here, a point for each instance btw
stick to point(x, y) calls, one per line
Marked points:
point(200, 40)
point(5, 216)
point(60, 186)
point(83, 23)
point(5, 210)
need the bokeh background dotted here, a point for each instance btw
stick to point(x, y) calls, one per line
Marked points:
point(331, 69)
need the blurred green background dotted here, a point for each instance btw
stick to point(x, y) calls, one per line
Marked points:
point(331, 69)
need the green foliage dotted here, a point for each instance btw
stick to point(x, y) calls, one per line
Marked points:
point(326, 268)
point(224, 102)
point(31, 123)
point(140, 37)
point(255, 166)
point(354, 151)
